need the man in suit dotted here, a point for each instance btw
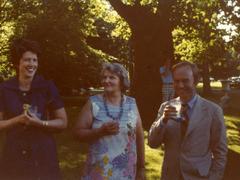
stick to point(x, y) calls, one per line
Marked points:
point(195, 146)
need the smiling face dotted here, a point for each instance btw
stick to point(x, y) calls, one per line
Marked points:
point(184, 84)
point(111, 82)
point(28, 64)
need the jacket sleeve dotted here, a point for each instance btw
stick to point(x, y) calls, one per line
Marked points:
point(218, 145)
point(157, 130)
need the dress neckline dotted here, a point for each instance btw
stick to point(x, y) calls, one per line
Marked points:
point(100, 96)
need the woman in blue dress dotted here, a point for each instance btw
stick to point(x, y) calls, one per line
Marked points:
point(111, 124)
point(30, 111)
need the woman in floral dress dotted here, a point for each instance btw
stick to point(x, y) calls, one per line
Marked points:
point(111, 124)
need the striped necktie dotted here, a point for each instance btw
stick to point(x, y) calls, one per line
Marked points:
point(185, 121)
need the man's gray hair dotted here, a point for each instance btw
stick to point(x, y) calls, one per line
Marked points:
point(192, 66)
point(120, 71)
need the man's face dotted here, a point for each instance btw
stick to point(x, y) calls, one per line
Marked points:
point(183, 82)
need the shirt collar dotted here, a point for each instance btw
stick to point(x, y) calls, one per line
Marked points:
point(192, 101)
point(38, 82)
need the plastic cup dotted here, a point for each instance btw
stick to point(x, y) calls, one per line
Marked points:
point(177, 105)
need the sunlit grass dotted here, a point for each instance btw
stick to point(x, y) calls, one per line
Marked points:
point(213, 84)
point(153, 158)
point(72, 154)
point(233, 124)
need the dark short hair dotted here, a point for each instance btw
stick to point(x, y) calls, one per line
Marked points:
point(19, 47)
point(192, 66)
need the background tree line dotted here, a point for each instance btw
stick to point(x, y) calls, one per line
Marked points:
point(77, 36)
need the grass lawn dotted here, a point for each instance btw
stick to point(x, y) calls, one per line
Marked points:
point(73, 154)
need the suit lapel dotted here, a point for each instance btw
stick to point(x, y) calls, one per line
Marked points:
point(197, 115)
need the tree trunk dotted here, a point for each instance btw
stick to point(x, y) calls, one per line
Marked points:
point(206, 79)
point(150, 53)
point(152, 46)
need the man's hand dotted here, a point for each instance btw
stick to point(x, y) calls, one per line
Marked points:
point(169, 112)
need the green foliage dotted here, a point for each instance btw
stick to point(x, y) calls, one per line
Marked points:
point(199, 38)
point(111, 34)
point(6, 30)
point(61, 28)
point(188, 46)
point(101, 10)
point(5, 68)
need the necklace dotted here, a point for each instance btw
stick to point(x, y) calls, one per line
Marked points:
point(118, 117)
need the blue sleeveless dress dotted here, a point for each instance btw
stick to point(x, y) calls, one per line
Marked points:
point(113, 157)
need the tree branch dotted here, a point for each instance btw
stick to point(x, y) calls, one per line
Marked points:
point(132, 14)
point(122, 9)
point(137, 2)
point(165, 5)
point(3, 5)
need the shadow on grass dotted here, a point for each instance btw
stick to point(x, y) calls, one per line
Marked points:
point(232, 121)
point(71, 153)
point(72, 158)
point(232, 171)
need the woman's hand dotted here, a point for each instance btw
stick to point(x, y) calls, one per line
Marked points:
point(28, 119)
point(32, 119)
point(22, 119)
point(109, 128)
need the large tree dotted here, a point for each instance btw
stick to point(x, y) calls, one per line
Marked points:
point(151, 23)
point(61, 28)
point(152, 45)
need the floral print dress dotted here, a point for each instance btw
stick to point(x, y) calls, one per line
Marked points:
point(113, 157)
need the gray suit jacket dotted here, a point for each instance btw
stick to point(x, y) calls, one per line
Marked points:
point(202, 153)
